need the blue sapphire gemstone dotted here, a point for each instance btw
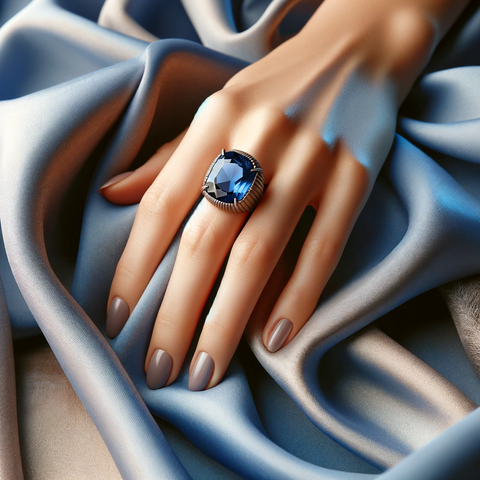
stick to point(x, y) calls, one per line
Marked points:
point(230, 177)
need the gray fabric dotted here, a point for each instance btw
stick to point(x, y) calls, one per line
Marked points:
point(82, 101)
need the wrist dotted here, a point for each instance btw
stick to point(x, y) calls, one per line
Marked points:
point(390, 39)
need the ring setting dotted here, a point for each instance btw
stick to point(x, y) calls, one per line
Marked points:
point(234, 182)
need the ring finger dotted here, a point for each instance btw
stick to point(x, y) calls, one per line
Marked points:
point(251, 262)
point(204, 244)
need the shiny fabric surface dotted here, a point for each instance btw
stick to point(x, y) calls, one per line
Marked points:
point(91, 89)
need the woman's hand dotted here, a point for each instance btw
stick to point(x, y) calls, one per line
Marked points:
point(319, 114)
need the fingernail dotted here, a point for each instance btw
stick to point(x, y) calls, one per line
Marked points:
point(279, 334)
point(114, 180)
point(158, 369)
point(117, 316)
point(201, 372)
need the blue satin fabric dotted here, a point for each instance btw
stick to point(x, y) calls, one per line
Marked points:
point(81, 102)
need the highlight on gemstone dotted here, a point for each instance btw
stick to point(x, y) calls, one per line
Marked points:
point(230, 177)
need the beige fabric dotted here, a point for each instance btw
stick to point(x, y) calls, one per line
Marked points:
point(57, 436)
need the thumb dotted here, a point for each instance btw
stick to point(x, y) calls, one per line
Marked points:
point(129, 187)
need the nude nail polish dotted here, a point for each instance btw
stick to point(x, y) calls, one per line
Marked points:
point(117, 316)
point(114, 180)
point(201, 372)
point(279, 334)
point(158, 369)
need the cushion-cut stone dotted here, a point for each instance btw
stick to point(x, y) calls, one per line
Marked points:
point(230, 177)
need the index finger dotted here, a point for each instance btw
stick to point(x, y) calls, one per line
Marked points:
point(160, 213)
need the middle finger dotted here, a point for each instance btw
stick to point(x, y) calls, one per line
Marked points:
point(251, 262)
point(204, 244)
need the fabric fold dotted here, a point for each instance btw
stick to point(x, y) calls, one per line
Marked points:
point(83, 101)
point(10, 459)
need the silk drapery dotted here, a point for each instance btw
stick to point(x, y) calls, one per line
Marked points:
point(89, 89)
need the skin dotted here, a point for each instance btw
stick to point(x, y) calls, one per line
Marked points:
point(389, 43)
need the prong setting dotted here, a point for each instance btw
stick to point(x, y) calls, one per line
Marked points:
point(230, 189)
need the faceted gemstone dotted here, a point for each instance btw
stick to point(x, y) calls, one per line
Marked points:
point(230, 177)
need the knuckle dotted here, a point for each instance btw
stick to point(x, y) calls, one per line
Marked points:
point(199, 237)
point(158, 200)
point(251, 250)
point(225, 100)
point(324, 249)
point(276, 118)
point(167, 325)
point(124, 273)
point(215, 330)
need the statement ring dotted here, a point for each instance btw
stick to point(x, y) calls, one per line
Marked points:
point(234, 182)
